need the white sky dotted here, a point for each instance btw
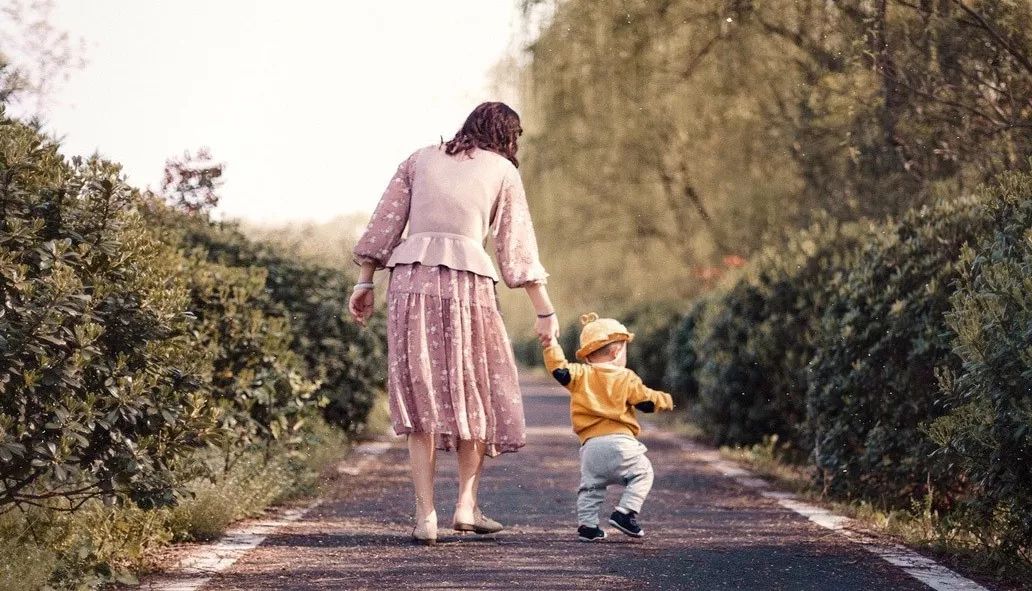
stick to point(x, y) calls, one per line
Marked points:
point(311, 104)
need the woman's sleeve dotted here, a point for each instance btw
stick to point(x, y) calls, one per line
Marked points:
point(515, 244)
point(389, 219)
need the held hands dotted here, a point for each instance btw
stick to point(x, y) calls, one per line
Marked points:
point(547, 330)
point(361, 305)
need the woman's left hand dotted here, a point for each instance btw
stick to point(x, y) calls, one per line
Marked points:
point(547, 329)
point(361, 305)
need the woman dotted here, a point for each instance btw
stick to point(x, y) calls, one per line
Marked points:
point(451, 375)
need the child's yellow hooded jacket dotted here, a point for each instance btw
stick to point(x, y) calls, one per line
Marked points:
point(603, 397)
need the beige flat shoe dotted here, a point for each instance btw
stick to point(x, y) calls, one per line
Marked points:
point(425, 533)
point(482, 524)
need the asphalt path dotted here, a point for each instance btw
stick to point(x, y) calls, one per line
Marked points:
point(703, 529)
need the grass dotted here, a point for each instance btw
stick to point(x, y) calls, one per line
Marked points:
point(46, 549)
point(379, 420)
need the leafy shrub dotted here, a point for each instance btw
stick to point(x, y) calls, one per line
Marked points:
point(758, 337)
point(348, 364)
point(988, 429)
point(256, 381)
point(527, 352)
point(137, 343)
point(95, 348)
point(652, 325)
point(882, 338)
point(682, 356)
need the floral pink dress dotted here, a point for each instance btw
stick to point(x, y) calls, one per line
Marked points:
point(451, 370)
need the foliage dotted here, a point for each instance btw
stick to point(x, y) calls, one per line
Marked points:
point(682, 356)
point(757, 336)
point(96, 358)
point(347, 363)
point(139, 344)
point(895, 356)
point(192, 181)
point(98, 544)
point(674, 133)
point(882, 339)
point(988, 429)
point(652, 324)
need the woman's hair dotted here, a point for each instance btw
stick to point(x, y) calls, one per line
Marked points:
point(491, 126)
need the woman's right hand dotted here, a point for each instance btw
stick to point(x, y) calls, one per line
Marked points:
point(547, 329)
point(361, 305)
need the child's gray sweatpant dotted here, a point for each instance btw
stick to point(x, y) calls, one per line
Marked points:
point(612, 459)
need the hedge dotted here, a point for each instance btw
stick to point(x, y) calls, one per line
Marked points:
point(754, 339)
point(101, 386)
point(987, 429)
point(894, 357)
point(348, 363)
point(133, 334)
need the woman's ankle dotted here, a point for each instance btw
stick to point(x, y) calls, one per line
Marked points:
point(465, 510)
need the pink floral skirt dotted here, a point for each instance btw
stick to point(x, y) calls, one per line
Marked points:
point(451, 370)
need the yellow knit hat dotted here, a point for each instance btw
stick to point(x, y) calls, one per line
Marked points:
point(599, 332)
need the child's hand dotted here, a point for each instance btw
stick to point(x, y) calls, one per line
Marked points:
point(548, 341)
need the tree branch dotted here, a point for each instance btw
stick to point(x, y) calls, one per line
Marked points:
point(1014, 52)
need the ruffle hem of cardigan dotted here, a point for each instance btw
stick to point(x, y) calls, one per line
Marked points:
point(454, 251)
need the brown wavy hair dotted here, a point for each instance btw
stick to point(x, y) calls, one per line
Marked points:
point(491, 126)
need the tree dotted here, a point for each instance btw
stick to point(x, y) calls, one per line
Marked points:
point(35, 55)
point(671, 134)
point(191, 181)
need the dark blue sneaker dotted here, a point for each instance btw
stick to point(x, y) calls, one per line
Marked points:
point(590, 534)
point(627, 523)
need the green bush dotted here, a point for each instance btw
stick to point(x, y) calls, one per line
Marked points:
point(652, 325)
point(987, 431)
point(683, 358)
point(256, 380)
point(95, 345)
point(882, 338)
point(527, 352)
point(132, 353)
point(757, 337)
point(347, 362)
point(896, 356)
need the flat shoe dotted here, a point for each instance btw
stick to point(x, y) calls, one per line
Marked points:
point(428, 535)
point(423, 541)
point(481, 525)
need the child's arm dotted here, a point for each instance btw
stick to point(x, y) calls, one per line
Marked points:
point(646, 399)
point(555, 361)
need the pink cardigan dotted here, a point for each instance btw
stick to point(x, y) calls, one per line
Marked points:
point(450, 205)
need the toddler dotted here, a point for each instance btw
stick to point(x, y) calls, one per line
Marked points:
point(603, 397)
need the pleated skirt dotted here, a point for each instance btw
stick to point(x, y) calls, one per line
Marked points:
point(451, 370)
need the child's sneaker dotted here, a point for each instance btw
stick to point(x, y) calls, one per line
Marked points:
point(627, 523)
point(590, 534)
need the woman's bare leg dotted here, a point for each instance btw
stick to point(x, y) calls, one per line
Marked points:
point(423, 461)
point(471, 463)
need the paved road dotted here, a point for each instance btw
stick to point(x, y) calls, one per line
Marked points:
point(704, 531)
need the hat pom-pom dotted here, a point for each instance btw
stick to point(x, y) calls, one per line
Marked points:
point(589, 317)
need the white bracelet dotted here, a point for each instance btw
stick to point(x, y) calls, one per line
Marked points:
point(359, 286)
